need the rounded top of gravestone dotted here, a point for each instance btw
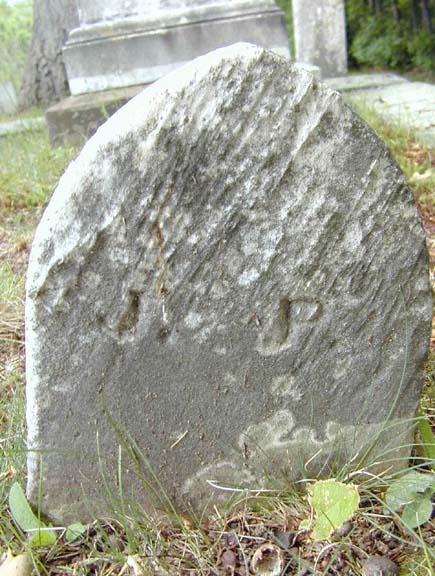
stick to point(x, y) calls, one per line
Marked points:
point(233, 271)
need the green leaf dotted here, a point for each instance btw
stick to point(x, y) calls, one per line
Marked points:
point(74, 531)
point(333, 503)
point(418, 511)
point(427, 439)
point(43, 537)
point(20, 509)
point(406, 489)
point(26, 519)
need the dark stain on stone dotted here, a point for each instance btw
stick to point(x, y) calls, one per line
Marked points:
point(163, 333)
point(129, 318)
point(282, 323)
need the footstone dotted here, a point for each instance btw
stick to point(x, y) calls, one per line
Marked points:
point(234, 271)
point(73, 120)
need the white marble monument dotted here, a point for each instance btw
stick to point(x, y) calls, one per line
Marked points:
point(320, 35)
point(129, 42)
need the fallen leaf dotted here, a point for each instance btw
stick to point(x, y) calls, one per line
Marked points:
point(20, 565)
point(334, 504)
point(268, 560)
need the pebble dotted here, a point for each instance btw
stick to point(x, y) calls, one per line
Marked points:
point(379, 566)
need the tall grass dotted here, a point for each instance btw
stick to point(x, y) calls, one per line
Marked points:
point(29, 169)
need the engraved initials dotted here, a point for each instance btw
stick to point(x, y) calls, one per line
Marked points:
point(291, 313)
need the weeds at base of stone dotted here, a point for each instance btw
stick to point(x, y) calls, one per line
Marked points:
point(227, 541)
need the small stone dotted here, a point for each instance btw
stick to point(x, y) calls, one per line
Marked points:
point(230, 539)
point(379, 566)
point(284, 538)
point(229, 560)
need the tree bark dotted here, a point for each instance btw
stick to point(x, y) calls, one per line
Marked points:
point(44, 78)
point(426, 15)
point(415, 15)
point(396, 12)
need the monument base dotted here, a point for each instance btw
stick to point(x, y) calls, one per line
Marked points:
point(76, 118)
point(140, 50)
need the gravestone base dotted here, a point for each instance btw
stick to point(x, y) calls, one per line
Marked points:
point(76, 118)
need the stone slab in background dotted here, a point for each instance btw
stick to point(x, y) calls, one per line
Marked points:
point(320, 35)
point(408, 104)
point(234, 269)
point(8, 98)
point(22, 125)
point(355, 82)
point(122, 44)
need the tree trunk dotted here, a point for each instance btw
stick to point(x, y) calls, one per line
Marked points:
point(44, 78)
point(426, 16)
point(415, 15)
point(396, 12)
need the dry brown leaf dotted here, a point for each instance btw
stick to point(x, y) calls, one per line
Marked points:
point(20, 565)
point(268, 560)
point(229, 561)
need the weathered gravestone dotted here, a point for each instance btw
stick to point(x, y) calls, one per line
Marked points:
point(233, 269)
point(320, 35)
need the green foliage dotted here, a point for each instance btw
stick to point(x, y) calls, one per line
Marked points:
point(380, 44)
point(421, 48)
point(41, 534)
point(286, 7)
point(74, 531)
point(334, 503)
point(26, 519)
point(412, 494)
point(379, 39)
point(15, 37)
point(427, 439)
